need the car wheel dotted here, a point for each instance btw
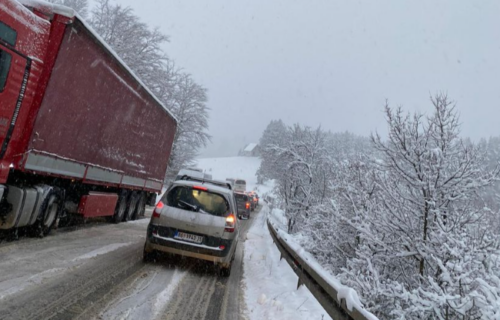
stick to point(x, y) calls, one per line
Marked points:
point(149, 256)
point(225, 271)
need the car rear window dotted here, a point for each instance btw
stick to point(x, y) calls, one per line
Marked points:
point(241, 182)
point(240, 197)
point(5, 59)
point(198, 200)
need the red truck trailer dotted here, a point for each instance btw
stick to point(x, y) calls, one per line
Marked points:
point(80, 134)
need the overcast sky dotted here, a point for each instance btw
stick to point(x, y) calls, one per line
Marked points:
point(332, 63)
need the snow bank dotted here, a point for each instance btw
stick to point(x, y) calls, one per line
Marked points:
point(278, 220)
point(270, 284)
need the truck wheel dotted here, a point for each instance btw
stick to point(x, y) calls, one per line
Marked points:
point(120, 209)
point(47, 214)
point(132, 206)
point(141, 207)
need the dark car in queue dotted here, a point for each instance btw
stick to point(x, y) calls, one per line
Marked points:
point(195, 219)
point(253, 200)
point(244, 205)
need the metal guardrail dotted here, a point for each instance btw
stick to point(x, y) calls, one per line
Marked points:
point(321, 290)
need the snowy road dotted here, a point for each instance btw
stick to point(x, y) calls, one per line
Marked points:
point(98, 273)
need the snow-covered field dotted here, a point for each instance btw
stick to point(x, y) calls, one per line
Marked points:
point(270, 285)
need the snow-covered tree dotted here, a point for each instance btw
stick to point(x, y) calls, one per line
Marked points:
point(188, 103)
point(275, 135)
point(410, 221)
point(426, 250)
point(304, 159)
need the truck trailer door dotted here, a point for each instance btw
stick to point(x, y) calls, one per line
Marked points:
point(14, 72)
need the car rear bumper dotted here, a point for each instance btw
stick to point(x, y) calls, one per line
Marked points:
point(199, 251)
point(224, 261)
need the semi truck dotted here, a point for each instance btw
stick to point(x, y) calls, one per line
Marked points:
point(80, 134)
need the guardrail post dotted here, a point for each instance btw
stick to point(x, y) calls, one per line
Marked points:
point(299, 283)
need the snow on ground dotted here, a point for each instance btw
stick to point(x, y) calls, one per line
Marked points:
point(32, 262)
point(278, 219)
point(271, 285)
point(102, 250)
point(146, 296)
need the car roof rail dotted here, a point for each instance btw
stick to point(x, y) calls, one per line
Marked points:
point(214, 182)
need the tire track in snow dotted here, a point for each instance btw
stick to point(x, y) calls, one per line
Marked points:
point(143, 296)
point(204, 295)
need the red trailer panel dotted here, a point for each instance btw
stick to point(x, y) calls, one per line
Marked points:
point(97, 121)
point(97, 204)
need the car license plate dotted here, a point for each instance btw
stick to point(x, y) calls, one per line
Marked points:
point(188, 237)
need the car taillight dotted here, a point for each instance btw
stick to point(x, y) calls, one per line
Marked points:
point(156, 212)
point(247, 205)
point(230, 223)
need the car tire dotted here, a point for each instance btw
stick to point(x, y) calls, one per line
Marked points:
point(225, 272)
point(149, 256)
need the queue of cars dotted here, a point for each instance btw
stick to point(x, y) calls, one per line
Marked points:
point(199, 217)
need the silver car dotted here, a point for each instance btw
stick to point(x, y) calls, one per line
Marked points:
point(195, 219)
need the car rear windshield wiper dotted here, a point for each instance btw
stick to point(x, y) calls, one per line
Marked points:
point(189, 205)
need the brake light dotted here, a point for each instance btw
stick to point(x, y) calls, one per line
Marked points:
point(156, 212)
point(200, 188)
point(247, 205)
point(230, 223)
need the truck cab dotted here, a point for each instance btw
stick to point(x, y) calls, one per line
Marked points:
point(23, 48)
